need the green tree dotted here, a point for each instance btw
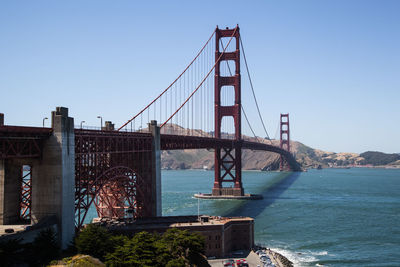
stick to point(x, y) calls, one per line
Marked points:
point(95, 241)
point(173, 248)
point(185, 245)
point(138, 251)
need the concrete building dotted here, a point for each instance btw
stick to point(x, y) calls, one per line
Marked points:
point(222, 235)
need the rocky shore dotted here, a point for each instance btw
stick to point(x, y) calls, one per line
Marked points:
point(282, 260)
point(277, 258)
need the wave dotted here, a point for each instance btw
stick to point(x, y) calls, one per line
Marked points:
point(320, 253)
point(298, 258)
point(303, 258)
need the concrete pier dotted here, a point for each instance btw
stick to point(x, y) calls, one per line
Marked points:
point(52, 177)
point(10, 189)
point(156, 169)
point(53, 189)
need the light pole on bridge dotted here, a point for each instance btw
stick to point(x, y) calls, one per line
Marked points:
point(82, 122)
point(44, 120)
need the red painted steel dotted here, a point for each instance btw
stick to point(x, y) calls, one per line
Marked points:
point(284, 140)
point(26, 190)
point(22, 142)
point(180, 75)
point(113, 169)
point(217, 63)
point(113, 172)
point(175, 142)
point(228, 165)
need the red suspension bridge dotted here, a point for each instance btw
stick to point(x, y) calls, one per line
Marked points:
point(118, 170)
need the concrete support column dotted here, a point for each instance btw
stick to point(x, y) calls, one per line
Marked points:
point(54, 183)
point(10, 191)
point(156, 169)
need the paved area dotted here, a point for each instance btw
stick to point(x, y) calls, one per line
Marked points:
point(15, 227)
point(252, 259)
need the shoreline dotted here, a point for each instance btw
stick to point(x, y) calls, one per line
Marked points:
point(278, 259)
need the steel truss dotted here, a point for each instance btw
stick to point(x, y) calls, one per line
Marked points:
point(22, 142)
point(26, 193)
point(112, 172)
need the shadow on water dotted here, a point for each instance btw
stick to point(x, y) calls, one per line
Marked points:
point(270, 192)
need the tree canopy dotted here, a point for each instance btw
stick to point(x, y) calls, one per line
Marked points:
point(173, 248)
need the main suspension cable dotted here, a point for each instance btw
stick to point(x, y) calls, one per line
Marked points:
point(201, 83)
point(244, 113)
point(198, 54)
point(252, 89)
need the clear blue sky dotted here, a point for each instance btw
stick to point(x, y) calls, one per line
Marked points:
point(333, 65)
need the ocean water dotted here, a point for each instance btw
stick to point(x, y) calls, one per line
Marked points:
point(330, 217)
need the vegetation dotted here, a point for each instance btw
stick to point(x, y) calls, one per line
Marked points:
point(43, 249)
point(38, 253)
point(11, 252)
point(379, 158)
point(95, 241)
point(173, 248)
point(78, 261)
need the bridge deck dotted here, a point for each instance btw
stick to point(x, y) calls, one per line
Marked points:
point(22, 142)
point(19, 141)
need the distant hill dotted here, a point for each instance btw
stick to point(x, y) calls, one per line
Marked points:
point(378, 158)
point(262, 160)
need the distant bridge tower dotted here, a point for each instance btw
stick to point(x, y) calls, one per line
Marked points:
point(285, 140)
point(228, 165)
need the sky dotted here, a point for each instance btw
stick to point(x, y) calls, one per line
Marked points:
point(334, 66)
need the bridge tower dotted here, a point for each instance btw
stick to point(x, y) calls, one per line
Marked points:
point(228, 165)
point(285, 140)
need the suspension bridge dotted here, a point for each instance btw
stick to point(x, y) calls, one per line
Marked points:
point(64, 170)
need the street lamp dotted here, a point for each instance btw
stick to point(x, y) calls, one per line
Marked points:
point(101, 122)
point(82, 122)
point(44, 120)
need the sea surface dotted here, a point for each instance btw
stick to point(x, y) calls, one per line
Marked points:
point(329, 217)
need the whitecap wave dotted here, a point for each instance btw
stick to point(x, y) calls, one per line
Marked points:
point(319, 253)
point(301, 258)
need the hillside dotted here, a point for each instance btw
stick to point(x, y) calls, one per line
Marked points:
point(261, 160)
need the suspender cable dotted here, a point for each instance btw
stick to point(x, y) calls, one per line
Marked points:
point(252, 89)
point(208, 74)
point(198, 54)
point(244, 113)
